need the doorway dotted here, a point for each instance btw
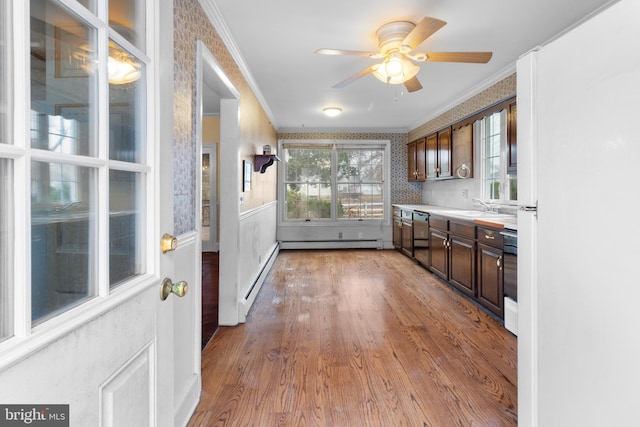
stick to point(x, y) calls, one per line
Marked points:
point(210, 259)
point(217, 128)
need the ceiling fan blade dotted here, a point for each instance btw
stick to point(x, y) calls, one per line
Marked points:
point(473, 57)
point(374, 55)
point(353, 78)
point(413, 84)
point(421, 32)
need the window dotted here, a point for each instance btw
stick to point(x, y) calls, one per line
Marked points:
point(76, 180)
point(334, 182)
point(497, 185)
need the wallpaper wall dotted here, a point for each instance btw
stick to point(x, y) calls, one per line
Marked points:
point(499, 91)
point(191, 24)
point(401, 190)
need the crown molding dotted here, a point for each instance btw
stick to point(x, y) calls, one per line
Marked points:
point(346, 130)
point(485, 84)
point(215, 17)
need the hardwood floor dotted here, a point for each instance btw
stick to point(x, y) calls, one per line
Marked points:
point(359, 338)
point(210, 295)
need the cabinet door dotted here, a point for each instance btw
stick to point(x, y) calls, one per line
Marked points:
point(439, 253)
point(397, 233)
point(444, 153)
point(512, 138)
point(462, 264)
point(407, 238)
point(490, 281)
point(431, 144)
point(462, 151)
point(412, 172)
point(421, 159)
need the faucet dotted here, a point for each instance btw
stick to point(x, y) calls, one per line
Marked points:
point(487, 207)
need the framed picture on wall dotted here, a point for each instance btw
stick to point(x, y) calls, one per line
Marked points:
point(246, 175)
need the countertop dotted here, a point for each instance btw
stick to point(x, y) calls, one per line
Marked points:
point(488, 219)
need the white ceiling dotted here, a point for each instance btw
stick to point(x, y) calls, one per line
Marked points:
point(276, 40)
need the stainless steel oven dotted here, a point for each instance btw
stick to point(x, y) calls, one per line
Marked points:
point(510, 249)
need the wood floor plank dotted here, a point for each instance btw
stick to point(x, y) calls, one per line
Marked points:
point(359, 338)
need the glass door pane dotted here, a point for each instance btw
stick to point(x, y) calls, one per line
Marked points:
point(128, 17)
point(6, 249)
point(63, 81)
point(126, 96)
point(5, 63)
point(63, 237)
point(125, 226)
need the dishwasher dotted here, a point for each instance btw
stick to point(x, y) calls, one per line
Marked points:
point(421, 237)
point(510, 280)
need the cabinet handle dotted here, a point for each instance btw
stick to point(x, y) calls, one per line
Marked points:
point(489, 237)
point(499, 263)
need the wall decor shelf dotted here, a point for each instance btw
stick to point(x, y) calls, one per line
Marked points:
point(262, 161)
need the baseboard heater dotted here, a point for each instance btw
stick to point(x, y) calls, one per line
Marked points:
point(332, 244)
point(255, 286)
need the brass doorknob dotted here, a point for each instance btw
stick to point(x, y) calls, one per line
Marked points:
point(168, 243)
point(168, 287)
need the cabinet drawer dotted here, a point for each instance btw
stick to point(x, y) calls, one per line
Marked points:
point(463, 229)
point(490, 237)
point(397, 212)
point(439, 222)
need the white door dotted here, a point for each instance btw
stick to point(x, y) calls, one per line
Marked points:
point(578, 311)
point(85, 196)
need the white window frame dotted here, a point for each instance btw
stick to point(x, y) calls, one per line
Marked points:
point(334, 221)
point(480, 131)
point(28, 338)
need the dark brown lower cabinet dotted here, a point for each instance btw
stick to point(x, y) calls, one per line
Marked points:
point(462, 264)
point(439, 246)
point(490, 270)
point(407, 237)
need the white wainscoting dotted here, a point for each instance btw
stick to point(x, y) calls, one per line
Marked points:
point(258, 250)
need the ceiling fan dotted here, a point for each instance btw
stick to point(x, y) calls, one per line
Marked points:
point(396, 42)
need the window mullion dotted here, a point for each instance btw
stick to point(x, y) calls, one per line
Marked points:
point(102, 208)
point(334, 182)
point(21, 166)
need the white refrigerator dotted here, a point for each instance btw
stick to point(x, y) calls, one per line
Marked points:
point(579, 252)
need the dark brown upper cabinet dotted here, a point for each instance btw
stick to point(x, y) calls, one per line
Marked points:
point(462, 150)
point(439, 154)
point(416, 153)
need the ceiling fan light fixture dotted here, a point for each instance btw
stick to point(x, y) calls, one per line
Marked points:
point(332, 111)
point(408, 70)
point(394, 66)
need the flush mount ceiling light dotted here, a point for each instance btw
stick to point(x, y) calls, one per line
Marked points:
point(332, 111)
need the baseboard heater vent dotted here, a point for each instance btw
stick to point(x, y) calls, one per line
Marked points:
point(263, 273)
point(332, 244)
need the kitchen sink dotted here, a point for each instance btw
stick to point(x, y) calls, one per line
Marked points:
point(473, 214)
